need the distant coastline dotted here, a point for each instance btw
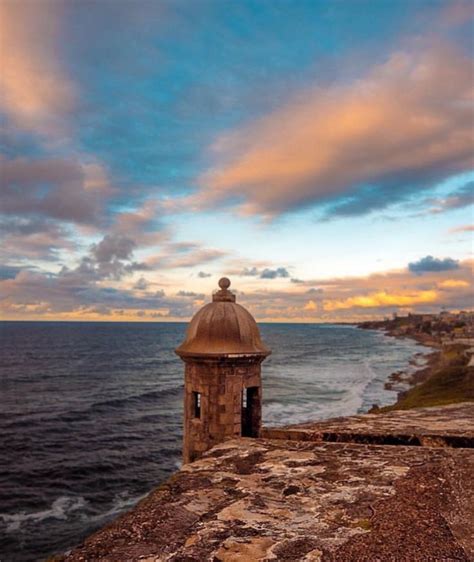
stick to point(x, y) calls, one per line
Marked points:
point(447, 377)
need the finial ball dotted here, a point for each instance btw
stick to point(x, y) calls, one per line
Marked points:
point(224, 283)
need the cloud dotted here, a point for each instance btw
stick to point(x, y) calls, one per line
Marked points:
point(111, 258)
point(369, 297)
point(85, 291)
point(310, 305)
point(453, 284)
point(75, 293)
point(33, 238)
point(197, 257)
point(274, 273)
point(184, 255)
point(142, 224)
point(265, 273)
point(36, 93)
point(42, 201)
point(382, 299)
point(70, 295)
point(430, 264)
point(190, 294)
point(463, 228)
point(113, 247)
point(457, 12)
point(141, 285)
point(249, 272)
point(61, 189)
point(403, 127)
point(463, 197)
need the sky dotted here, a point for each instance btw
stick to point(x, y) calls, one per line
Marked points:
point(318, 153)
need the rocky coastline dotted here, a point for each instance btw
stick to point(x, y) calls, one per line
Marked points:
point(447, 358)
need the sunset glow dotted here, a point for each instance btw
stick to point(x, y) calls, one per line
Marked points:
point(148, 148)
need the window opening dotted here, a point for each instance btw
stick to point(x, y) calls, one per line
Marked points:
point(197, 404)
point(250, 412)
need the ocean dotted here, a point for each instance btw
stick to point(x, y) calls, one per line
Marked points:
point(90, 413)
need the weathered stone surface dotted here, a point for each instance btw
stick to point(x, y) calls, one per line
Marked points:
point(223, 353)
point(259, 499)
point(444, 426)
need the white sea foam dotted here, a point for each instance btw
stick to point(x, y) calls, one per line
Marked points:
point(60, 509)
point(122, 502)
point(346, 380)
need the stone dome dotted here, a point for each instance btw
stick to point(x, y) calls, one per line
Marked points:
point(222, 327)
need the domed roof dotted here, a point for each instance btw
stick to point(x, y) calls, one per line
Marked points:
point(222, 327)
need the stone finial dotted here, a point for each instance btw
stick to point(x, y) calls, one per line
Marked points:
point(223, 295)
point(224, 283)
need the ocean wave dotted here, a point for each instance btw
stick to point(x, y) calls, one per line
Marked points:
point(64, 506)
point(137, 398)
point(60, 509)
point(73, 416)
point(288, 413)
point(121, 503)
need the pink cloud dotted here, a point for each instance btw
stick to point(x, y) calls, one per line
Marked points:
point(184, 256)
point(36, 93)
point(463, 228)
point(407, 122)
point(457, 12)
point(142, 224)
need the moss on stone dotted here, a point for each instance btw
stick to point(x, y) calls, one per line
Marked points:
point(363, 524)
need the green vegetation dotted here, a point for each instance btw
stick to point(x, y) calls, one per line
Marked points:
point(446, 386)
point(451, 381)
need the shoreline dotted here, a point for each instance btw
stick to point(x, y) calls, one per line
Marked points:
point(404, 379)
point(445, 378)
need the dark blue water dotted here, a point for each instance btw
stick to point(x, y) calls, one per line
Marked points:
point(90, 413)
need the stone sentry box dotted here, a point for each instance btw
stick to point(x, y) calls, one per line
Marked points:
point(223, 353)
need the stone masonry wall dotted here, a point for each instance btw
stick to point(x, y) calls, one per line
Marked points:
point(220, 384)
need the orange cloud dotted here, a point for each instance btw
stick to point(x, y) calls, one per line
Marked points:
point(310, 305)
point(35, 90)
point(359, 298)
point(453, 284)
point(407, 121)
point(382, 299)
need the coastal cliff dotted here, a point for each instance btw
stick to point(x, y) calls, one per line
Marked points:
point(357, 488)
